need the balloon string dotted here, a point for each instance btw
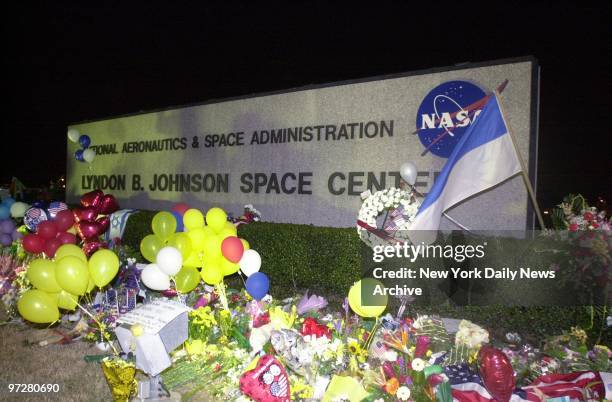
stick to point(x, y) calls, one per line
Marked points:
point(97, 322)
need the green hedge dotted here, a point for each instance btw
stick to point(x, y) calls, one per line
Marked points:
point(327, 261)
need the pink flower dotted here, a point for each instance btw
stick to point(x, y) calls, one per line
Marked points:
point(422, 344)
point(588, 216)
point(573, 227)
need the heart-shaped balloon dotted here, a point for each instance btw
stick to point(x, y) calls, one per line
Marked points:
point(104, 223)
point(497, 373)
point(90, 247)
point(88, 230)
point(84, 214)
point(92, 199)
point(267, 382)
point(108, 204)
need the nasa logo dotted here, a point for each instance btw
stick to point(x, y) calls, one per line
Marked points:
point(445, 113)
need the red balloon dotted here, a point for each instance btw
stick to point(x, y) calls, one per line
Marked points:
point(33, 243)
point(91, 247)
point(88, 230)
point(497, 373)
point(63, 220)
point(84, 214)
point(181, 208)
point(108, 204)
point(232, 248)
point(67, 238)
point(104, 223)
point(92, 199)
point(51, 246)
point(47, 230)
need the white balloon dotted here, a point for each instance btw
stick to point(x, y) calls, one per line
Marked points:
point(73, 134)
point(408, 171)
point(18, 209)
point(154, 278)
point(89, 155)
point(250, 262)
point(169, 260)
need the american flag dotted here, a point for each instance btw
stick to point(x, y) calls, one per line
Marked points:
point(467, 386)
point(396, 220)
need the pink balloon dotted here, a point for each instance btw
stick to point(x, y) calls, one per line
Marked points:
point(181, 208)
point(92, 199)
point(51, 246)
point(497, 373)
point(232, 248)
point(67, 238)
point(47, 230)
point(33, 243)
point(108, 204)
point(84, 214)
point(91, 247)
point(64, 220)
point(88, 230)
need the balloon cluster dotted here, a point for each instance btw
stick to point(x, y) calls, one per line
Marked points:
point(85, 154)
point(212, 246)
point(51, 229)
point(59, 283)
point(92, 220)
point(5, 207)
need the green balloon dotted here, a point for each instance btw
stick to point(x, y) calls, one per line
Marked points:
point(163, 225)
point(72, 275)
point(103, 266)
point(41, 273)
point(150, 246)
point(193, 219)
point(66, 301)
point(187, 279)
point(182, 243)
point(38, 306)
point(66, 250)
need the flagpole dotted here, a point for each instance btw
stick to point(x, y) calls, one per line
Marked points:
point(526, 180)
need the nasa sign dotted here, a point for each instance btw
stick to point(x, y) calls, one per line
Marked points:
point(445, 113)
point(305, 155)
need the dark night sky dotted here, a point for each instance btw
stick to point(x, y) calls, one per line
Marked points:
point(73, 62)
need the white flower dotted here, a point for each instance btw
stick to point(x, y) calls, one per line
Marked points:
point(418, 364)
point(471, 335)
point(403, 393)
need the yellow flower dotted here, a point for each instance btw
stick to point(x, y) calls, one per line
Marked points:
point(195, 347)
point(280, 319)
point(356, 350)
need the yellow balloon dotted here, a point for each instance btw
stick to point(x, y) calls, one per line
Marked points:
point(182, 242)
point(150, 246)
point(41, 274)
point(211, 274)
point(379, 302)
point(187, 279)
point(193, 260)
point(90, 285)
point(228, 267)
point(193, 219)
point(163, 225)
point(212, 247)
point(38, 306)
point(229, 230)
point(197, 237)
point(216, 218)
point(72, 275)
point(103, 266)
point(66, 301)
point(245, 244)
point(66, 250)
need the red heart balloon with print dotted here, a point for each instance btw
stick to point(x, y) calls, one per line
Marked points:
point(104, 223)
point(88, 230)
point(497, 373)
point(267, 382)
point(108, 204)
point(91, 247)
point(84, 214)
point(92, 199)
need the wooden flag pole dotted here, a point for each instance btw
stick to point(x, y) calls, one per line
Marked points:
point(536, 206)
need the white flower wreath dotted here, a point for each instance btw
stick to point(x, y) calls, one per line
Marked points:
point(378, 203)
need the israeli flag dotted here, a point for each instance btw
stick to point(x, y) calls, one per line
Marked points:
point(484, 157)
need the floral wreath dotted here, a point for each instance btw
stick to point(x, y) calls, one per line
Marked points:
point(389, 200)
